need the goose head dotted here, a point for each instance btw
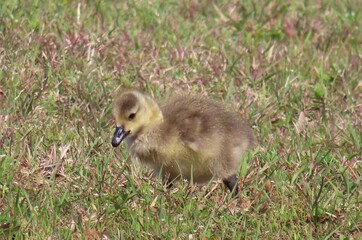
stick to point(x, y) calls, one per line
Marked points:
point(134, 113)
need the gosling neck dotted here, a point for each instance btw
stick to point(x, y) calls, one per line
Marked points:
point(156, 116)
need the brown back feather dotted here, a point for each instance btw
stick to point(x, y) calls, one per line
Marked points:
point(196, 118)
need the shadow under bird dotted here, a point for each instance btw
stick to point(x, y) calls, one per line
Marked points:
point(185, 137)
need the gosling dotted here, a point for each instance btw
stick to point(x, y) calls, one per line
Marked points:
point(186, 137)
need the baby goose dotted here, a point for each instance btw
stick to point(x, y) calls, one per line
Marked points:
point(188, 136)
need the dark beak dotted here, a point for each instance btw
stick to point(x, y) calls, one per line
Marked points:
point(118, 136)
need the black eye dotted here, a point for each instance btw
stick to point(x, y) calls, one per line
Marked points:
point(131, 116)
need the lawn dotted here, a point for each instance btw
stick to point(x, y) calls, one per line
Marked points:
point(293, 69)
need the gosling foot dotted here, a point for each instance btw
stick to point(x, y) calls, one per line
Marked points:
point(232, 184)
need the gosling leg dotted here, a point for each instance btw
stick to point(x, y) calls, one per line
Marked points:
point(232, 184)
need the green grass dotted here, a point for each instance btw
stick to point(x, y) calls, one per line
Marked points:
point(293, 69)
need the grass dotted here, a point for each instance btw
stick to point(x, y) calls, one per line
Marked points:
point(293, 69)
